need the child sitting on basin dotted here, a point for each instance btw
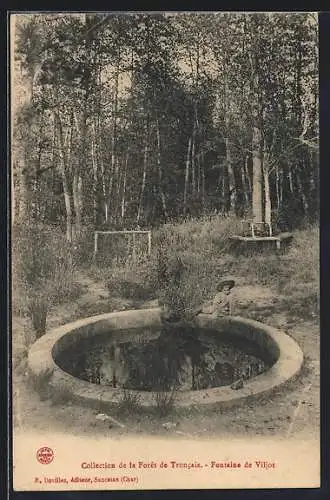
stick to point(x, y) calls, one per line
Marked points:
point(221, 305)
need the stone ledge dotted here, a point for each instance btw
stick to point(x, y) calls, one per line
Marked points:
point(284, 350)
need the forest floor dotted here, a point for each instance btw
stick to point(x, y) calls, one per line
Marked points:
point(293, 411)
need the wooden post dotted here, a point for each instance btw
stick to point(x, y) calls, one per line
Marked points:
point(149, 242)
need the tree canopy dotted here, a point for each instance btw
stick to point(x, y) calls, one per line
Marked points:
point(136, 119)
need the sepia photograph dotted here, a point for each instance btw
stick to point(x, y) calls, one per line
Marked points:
point(165, 250)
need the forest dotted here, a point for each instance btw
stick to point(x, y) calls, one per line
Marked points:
point(132, 120)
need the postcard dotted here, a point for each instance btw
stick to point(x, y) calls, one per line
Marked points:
point(165, 250)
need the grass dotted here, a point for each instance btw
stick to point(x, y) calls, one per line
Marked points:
point(294, 276)
point(43, 272)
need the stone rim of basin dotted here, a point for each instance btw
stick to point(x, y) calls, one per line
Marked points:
point(288, 355)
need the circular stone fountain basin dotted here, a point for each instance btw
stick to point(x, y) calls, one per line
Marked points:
point(286, 356)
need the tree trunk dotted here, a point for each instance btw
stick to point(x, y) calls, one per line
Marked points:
point(257, 143)
point(245, 183)
point(160, 172)
point(123, 197)
point(95, 176)
point(247, 174)
point(257, 148)
point(281, 174)
point(290, 179)
point(186, 181)
point(228, 182)
point(118, 183)
point(278, 198)
point(68, 209)
point(257, 212)
point(268, 203)
point(302, 194)
point(65, 183)
point(144, 175)
point(203, 181)
point(198, 174)
point(24, 174)
point(228, 179)
point(77, 187)
point(114, 132)
point(101, 191)
point(103, 179)
point(193, 176)
point(77, 202)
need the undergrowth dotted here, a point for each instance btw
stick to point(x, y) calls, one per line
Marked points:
point(43, 272)
point(203, 247)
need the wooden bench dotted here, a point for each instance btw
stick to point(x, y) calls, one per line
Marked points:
point(260, 243)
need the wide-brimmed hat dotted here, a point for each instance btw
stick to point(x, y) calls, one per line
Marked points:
point(223, 283)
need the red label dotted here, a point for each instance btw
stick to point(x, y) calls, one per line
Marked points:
point(45, 455)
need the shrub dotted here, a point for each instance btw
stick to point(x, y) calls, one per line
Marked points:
point(165, 401)
point(185, 278)
point(130, 402)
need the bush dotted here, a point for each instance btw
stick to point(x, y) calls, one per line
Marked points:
point(185, 278)
point(165, 401)
point(130, 402)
